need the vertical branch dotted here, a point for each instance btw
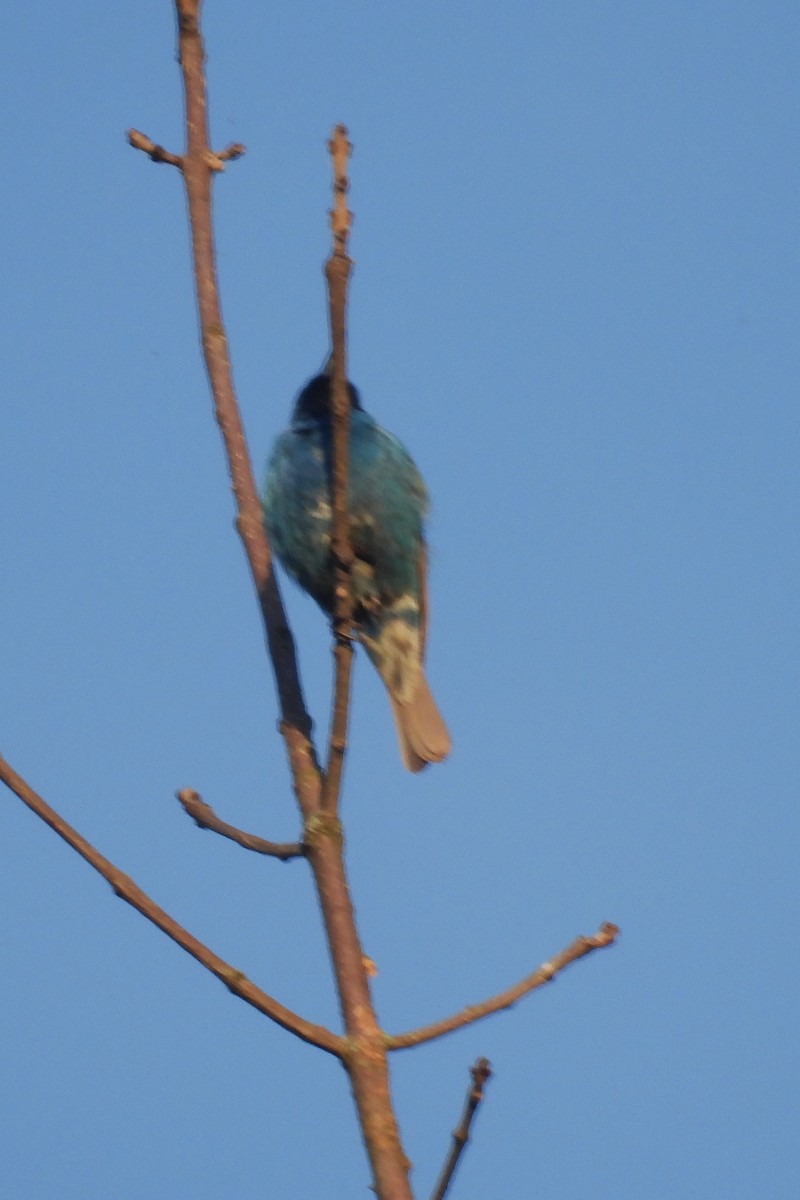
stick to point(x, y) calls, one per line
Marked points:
point(366, 1058)
point(337, 273)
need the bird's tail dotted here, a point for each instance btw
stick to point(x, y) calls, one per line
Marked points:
point(421, 730)
point(393, 642)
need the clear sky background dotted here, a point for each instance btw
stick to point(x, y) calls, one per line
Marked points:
point(576, 301)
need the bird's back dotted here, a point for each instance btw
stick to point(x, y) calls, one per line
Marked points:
point(387, 502)
point(387, 505)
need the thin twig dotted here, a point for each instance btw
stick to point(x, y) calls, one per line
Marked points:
point(140, 141)
point(229, 154)
point(204, 816)
point(605, 936)
point(481, 1072)
point(337, 272)
point(126, 889)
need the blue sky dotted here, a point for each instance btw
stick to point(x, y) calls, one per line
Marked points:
point(575, 300)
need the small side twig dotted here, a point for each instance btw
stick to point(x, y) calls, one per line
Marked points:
point(126, 889)
point(234, 151)
point(337, 273)
point(605, 936)
point(215, 159)
point(204, 816)
point(481, 1072)
point(140, 141)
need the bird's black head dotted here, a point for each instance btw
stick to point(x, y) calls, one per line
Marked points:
point(315, 401)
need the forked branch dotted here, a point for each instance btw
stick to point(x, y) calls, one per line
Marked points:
point(126, 889)
point(216, 161)
point(605, 936)
point(365, 1055)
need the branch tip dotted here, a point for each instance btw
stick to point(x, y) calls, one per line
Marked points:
point(198, 170)
point(481, 1073)
point(337, 274)
point(340, 216)
point(605, 936)
point(232, 152)
point(140, 141)
point(204, 817)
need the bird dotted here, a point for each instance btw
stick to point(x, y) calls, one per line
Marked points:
point(387, 506)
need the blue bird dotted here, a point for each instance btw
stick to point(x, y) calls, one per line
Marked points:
point(387, 503)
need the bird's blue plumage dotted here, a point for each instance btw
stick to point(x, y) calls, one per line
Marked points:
point(387, 502)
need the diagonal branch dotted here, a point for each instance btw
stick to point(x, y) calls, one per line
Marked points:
point(605, 936)
point(126, 889)
point(198, 166)
point(140, 141)
point(337, 272)
point(204, 816)
point(481, 1073)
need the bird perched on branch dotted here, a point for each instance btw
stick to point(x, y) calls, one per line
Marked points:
point(387, 503)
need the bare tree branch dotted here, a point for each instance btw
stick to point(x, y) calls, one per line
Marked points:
point(337, 272)
point(365, 1056)
point(481, 1072)
point(126, 889)
point(198, 166)
point(364, 1049)
point(140, 141)
point(605, 936)
point(230, 153)
point(204, 816)
point(366, 1059)
point(215, 160)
